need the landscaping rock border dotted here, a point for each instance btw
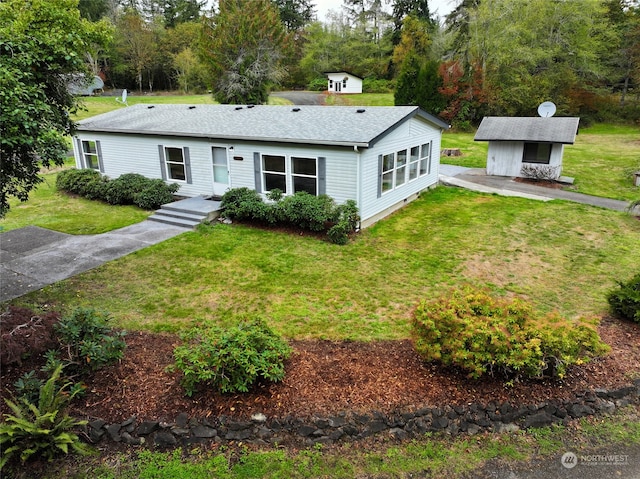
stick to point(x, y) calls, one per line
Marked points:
point(467, 419)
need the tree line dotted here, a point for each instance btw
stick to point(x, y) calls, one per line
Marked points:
point(499, 57)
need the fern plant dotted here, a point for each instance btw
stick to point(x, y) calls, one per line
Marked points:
point(43, 430)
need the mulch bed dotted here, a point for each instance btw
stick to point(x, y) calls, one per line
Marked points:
point(328, 377)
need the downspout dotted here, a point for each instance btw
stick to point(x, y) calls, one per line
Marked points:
point(358, 180)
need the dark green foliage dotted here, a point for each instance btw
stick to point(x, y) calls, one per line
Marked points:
point(302, 210)
point(307, 211)
point(231, 360)
point(625, 300)
point(122, 190)
point(480, 334)
point(241, 203)
point(42, 429)
point(83, 182)
point(375, 85)
point(87, 342)
point(155, 194)
point(419, 84)
point(127, 189)
point(318, 84)
point(42, 43)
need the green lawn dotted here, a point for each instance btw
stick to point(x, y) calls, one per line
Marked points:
point(55, 210)
point(560, 255)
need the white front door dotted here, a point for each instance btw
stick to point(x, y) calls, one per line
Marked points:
point(220, 170)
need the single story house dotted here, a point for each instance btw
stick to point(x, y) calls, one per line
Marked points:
point(381, 157)
point(343, 82)
point(519, 146)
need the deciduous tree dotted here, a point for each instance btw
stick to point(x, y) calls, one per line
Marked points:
point(42, 43)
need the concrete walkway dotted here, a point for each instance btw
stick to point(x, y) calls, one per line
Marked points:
point(33, 257)
point(476, 179)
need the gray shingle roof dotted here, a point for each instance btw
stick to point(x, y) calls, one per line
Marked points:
point(548, 130)
point(292, 124)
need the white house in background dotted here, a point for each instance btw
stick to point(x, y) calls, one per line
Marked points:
point(343, 82)
point(381, 157)
point(519, 144)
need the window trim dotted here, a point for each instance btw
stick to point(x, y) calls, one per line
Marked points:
point(260, 171)
point(84, 163)
point(167, 162)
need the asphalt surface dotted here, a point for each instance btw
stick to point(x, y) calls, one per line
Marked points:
point(32, 257)
point(301, 97)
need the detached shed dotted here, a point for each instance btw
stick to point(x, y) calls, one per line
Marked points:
point(521, 146)
point(344, 82)
point(381, 157)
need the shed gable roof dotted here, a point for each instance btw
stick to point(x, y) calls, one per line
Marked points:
point(535, 129)
point(342, 126)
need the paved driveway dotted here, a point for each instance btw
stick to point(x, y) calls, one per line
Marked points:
point(301, 97)
point(33, 257)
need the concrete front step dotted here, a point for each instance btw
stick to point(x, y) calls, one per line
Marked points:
point(189, 212)
point(173, 220)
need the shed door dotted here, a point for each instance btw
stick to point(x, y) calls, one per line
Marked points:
point(220, 170)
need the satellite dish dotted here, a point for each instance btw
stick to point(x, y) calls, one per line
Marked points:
point(547, 109)
point(124, 97)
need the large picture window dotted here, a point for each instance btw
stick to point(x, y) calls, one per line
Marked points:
point(176, 167)
point(403, 166)
point(537, 153)
point(90, 153)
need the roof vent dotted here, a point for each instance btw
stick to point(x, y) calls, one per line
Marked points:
point(192, 107)
point(150, 107)
point(250, 106)
point(238, 108)
point(295, 109)
point(360, 110)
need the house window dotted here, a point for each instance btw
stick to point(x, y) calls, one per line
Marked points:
point(425, 159)
point(401, 167)
point(90, 152)
point(304, 175)
point(414, 160)
point(388, 164)
point(537, 153)
point(174, 159)
point(274, 172)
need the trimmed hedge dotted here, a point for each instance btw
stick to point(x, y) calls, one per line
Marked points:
point(127, 189)
point(303, 210)
point(625, 300)
point(482, 335)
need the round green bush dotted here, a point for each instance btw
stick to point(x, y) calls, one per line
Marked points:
point(154, 194)
point(482, 335)
point(230, 360)
point(625, 300)
point(123, 189)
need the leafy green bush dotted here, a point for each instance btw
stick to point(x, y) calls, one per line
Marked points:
point(122, 190)
point(318, 84)
point(315, 213)
point(480, 334)
point(43, 429)
point(155, 194)
point(85, 182)
point(127, 189)
point(87, 342)
point(375, 85)
point(241, 203)
point(625, 300)
point(231, 360)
